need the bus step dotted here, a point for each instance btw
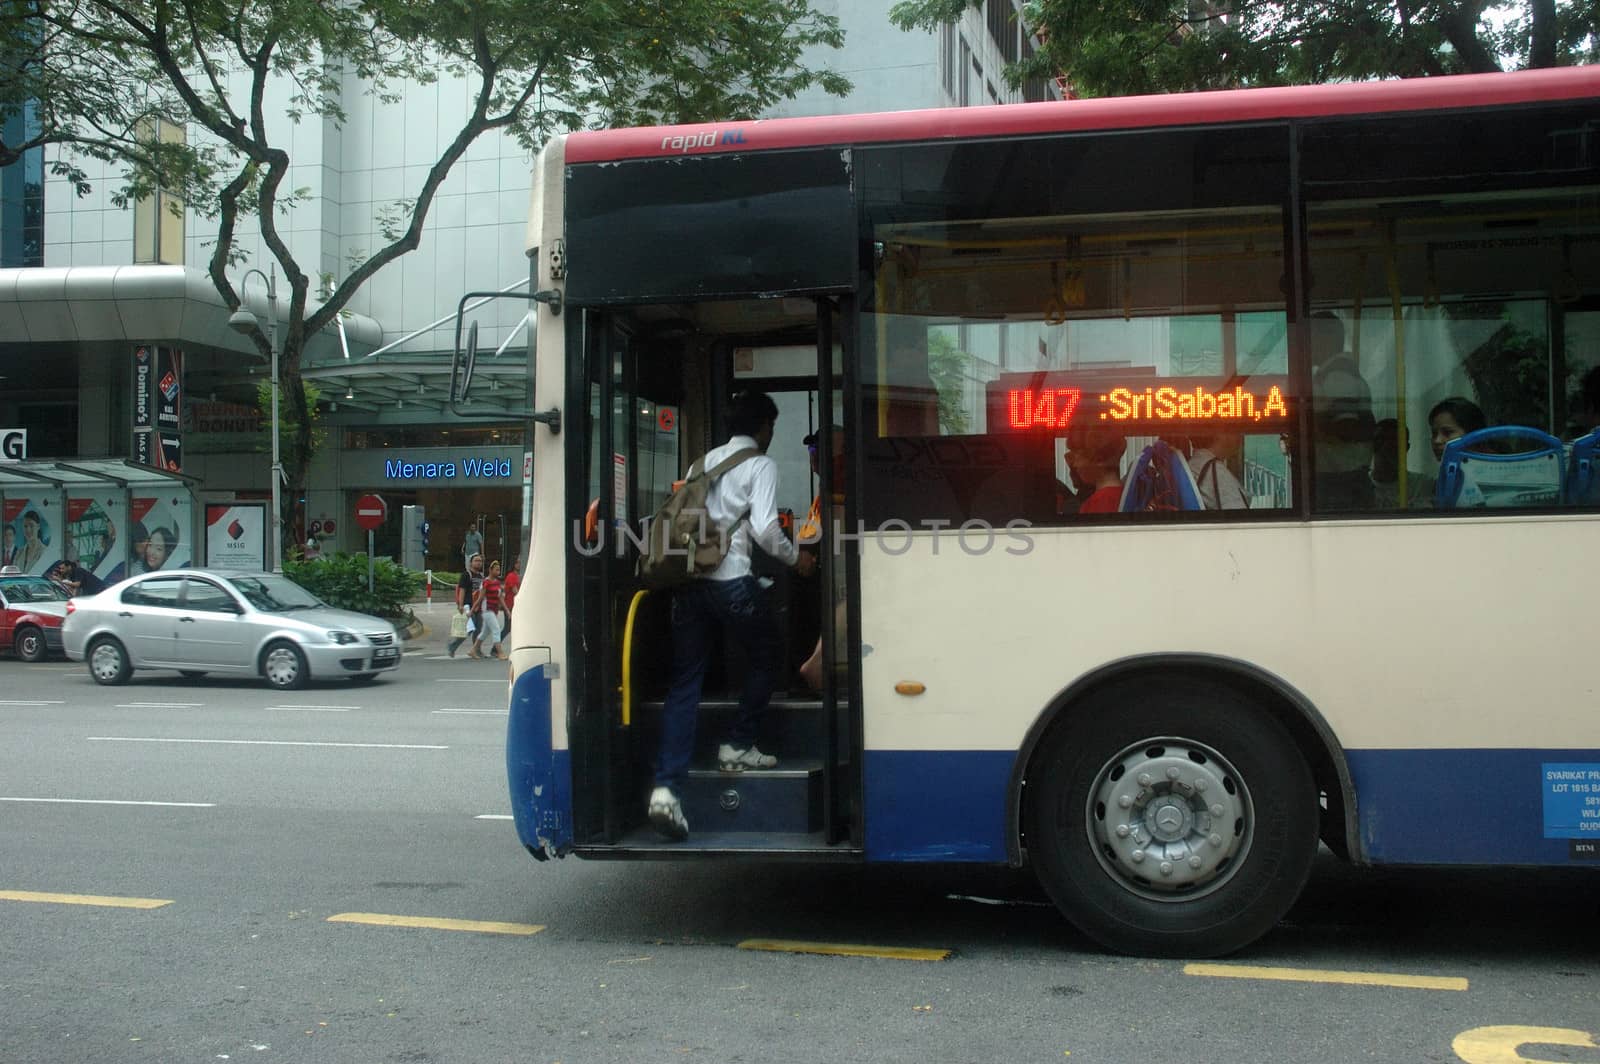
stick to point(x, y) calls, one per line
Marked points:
point(784, 799)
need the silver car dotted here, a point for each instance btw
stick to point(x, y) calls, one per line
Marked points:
point(199, 621)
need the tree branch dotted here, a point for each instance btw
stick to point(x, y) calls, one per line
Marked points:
point(1460, 28)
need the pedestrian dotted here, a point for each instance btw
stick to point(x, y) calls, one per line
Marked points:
point(490, 599)
point(473, 544)
point(513, 584)
point(466, 604)
point(76, 579)
point(743, 506)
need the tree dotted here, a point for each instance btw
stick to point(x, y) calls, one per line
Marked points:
point(1125, 47)
point(532, 69)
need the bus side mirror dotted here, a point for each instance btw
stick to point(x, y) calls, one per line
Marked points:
point(461, 371)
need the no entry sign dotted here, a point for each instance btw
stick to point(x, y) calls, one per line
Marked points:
point(370, 512)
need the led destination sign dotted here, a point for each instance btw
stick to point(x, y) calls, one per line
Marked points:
point(1051, 402)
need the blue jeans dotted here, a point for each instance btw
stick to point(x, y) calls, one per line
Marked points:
point(740, 608)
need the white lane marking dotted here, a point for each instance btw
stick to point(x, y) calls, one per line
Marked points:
point(32, 702)
point(454, 680)
point(160, 705)
point(262, 742)
point(492, 816)
point(110, 801)
point(480, 712)
point(315, 709)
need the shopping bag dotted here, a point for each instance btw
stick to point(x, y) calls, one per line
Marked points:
point(458, 626)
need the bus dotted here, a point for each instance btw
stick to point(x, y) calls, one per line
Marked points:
point(1201, 480)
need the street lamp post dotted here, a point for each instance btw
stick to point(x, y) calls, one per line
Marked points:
point(244, 321)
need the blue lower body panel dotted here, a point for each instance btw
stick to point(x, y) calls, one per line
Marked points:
point(1486, 807)
point(936, 805)
point(540, 778)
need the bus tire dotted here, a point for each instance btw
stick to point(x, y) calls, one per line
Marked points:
point(1171, 819)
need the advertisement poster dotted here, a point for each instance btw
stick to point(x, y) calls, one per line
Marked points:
point(144, 448)
point(169, 389)
point(236, 536)
point(171, 452)
point(93, 533)
point(160, 535)
point(31, 533)
point(144, 390)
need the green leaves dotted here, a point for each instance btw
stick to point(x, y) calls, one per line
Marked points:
point(1125, 47)
point(341, 580)
point(234, 77)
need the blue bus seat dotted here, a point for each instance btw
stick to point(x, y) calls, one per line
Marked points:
point(1499, 467)
point(1583, 476)
point(1160, 480)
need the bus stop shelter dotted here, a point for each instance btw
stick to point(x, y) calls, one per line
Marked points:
point(112, 517)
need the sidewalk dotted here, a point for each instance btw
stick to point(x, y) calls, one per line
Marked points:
point(434, 638)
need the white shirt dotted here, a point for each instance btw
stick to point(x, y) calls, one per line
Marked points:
point(748, 490)
point(1219, 488)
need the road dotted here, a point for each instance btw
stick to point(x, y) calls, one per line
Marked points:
point(246, 896)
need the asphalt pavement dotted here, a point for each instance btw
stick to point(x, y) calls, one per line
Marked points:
point(204, 870)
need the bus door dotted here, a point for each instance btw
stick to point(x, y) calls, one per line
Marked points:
point(657, 387)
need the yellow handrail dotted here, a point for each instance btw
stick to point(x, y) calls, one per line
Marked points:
point(627, 658)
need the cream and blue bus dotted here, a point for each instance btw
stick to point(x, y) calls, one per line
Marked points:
point(1203, 479)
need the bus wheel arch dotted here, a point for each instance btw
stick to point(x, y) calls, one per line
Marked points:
point(1209, 725)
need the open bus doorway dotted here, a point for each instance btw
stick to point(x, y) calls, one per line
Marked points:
point(657, 382)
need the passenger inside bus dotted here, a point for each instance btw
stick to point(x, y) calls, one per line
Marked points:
point(1342, 419)
point(1094, 457)
point(1452, 418)
point(732, 600)
point(1389, 448)
point(1211, 459)
point(1589, 401)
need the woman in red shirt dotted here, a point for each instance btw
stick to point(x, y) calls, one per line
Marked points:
point(489, 596)
point(1095, 458)
point(510, 586)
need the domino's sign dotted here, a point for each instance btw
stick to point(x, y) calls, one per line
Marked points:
point(13, 445)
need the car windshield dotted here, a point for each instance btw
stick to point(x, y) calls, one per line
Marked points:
point(274, 594)
point(31, 589)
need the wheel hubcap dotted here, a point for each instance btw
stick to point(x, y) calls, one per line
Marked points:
point(106, 662)
point(30, 645)
point(1170, 819)
point(282, 666)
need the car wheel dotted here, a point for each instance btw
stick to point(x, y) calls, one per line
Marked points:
point(108, 662)
point(29, 643)
point(284, 666)
point(365, 677)
point(191, 674)
point(1169, 820)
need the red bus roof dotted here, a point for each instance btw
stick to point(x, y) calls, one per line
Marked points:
point(1118, 112)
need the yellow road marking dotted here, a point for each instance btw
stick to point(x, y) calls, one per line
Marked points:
point(1500, 1045)
point(1320, 975)
point(896, 953)
point(84, 899)
point(439, 923)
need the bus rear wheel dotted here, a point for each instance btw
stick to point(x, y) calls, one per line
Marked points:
point(1171, 820)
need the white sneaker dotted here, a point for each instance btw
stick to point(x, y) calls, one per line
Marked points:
point(666, 813)
point(731, 759)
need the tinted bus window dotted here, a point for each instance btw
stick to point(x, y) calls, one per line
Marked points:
point(1074, 327)
point(700, 227)
point(1454, 274)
